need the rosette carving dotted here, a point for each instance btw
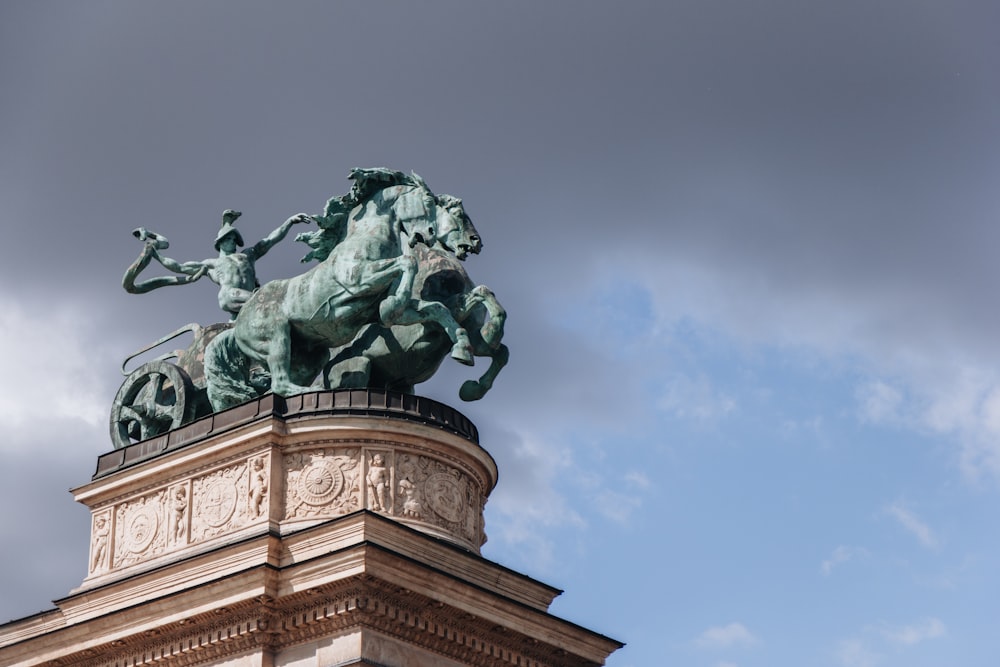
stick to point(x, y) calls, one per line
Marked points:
point(215, 502)
point(322, 482)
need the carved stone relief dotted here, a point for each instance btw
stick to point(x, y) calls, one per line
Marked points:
point(388, 478)
point(140, 533)
point(322, 482)
point(437, 493)
point(379, 482)
point(178, 516)
point(257, 498)
point(215, 502)
point(412, 507)
point(100, 543)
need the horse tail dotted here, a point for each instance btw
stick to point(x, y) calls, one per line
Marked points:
point(227, 373)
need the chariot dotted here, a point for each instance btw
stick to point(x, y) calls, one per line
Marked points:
point(161, 395)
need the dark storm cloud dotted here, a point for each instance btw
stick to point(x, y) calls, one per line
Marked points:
point(45, 532)
point(839, 156)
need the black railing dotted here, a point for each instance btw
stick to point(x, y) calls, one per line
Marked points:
point(358, 402)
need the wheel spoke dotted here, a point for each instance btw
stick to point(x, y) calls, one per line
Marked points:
point(151, 401)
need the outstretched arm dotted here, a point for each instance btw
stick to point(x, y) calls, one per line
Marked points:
point(147, 255)
point(268, 241)
point(188, 268)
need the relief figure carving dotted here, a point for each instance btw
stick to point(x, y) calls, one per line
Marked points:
point(378, 483)
point(178, 515)
point(411, 502)
point(99, 547)
point(258, 488)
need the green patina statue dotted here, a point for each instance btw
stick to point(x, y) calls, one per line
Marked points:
point(234, 271)
point(386, 302)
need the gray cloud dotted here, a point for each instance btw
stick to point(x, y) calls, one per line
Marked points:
point(807, 174)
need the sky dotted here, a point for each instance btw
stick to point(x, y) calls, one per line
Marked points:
point(752, 413)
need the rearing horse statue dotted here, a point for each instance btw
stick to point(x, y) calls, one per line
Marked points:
point(366, 275)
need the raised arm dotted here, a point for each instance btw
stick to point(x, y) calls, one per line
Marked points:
point(268, 241)
point(188, 268)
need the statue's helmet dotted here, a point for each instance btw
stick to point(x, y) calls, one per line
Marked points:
point(227, 229)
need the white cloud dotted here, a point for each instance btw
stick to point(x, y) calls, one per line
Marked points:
point(617, 506)
point(945, 377)
point(912, 523)
point(857, 652)
point(854, 653)
point(880, 402)
point(930, 628)
point(723, 636)
point(696, 398)
point(638, 479)
point(841, 555)
point(526, 501)
point(47, 370)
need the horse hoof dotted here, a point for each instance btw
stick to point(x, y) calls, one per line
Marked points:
point(463, 354)
point(471, 391)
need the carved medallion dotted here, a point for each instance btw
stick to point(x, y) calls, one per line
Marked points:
point(138, 533)
point(319, 483)
point(445, 496)
point(140, 529)
point(218, 502)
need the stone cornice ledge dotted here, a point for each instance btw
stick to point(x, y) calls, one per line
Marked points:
point(287, 594)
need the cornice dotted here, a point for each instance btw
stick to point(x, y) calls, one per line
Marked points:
point(360, 603)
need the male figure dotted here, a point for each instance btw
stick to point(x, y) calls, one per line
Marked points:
point(378, 480)
point(258, 487)
point(234, 271)
point(179, 507)
point(102, 533)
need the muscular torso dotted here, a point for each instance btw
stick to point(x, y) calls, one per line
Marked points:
point(234, 271)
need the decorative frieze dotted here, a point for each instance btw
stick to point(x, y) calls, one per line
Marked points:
point(212, 503)
point(434, 492)
point(278, 480)
point(100, 541)
point(140, 532)
point(274, 625)
point(322, 482)
point(280, 539)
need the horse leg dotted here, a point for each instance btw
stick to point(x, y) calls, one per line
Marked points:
point(279, 362)
point(351, 368)
point(492, 329)
point(401, 308)
point(227, 372)
point(305, 366)
point(434, 311)
point(394, 305)
point(472, 390)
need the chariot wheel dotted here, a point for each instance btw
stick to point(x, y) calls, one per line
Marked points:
point(155, 398)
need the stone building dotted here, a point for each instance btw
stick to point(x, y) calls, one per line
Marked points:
point(331, 528)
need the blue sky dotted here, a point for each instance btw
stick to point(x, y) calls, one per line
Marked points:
point(752, 414)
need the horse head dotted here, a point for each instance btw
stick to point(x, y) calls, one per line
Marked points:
point(454, 230)
point(431, 219)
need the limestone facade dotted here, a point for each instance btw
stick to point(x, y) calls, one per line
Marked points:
point(290, 533)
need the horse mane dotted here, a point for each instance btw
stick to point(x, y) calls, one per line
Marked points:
point(451, 204)
point(369, 181)
point(333, 224)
